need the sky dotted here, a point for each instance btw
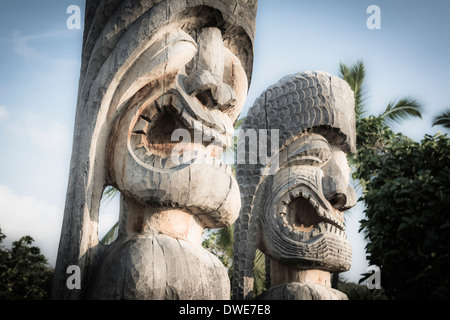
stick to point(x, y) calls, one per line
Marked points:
point(40, 60)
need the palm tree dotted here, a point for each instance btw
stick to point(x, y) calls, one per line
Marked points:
point(354, 76)
point(395, 112)
point(442, 119)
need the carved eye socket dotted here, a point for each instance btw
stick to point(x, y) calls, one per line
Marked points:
point(309, 149)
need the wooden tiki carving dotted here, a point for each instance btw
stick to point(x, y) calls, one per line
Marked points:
point(293, 201)
point(162, 84)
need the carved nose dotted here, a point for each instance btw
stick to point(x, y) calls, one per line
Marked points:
point(338, 200)
point(206, 80)
point(342, 200)
point(335, 182)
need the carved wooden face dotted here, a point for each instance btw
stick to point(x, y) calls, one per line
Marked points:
point(302, 220)
point(167, 146)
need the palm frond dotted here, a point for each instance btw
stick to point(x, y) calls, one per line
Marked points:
point(354, 76)
point(229, 155)
point(239, 123)
point(109, 193)
point(442, 119)
point(259, 273)
point(111, 235)
point(225, 239)
point(400, 110)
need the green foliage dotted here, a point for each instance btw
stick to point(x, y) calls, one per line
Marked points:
point(359, 292)
point(372, 139)
point(24, 272)
point(408, 221)
point(109, 193)
point(354, 76)
point(398, 111)
point(442, 119)
point(406, 191)
point(111, 235)
point(259, 273)
point(220, 243)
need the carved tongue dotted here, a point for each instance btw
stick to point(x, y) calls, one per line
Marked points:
point(302, 215)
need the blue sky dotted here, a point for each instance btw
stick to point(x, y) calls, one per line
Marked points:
point(40, 59)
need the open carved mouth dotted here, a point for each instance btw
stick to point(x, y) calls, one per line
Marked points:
point(165, 136)
point(303, 215)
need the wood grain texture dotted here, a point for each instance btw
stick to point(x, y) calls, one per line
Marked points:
point(135, 55)
point(314, 115)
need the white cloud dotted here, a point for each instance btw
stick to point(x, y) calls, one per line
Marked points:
point(24, 49)
point(44, 133)
point(49, 135)
point(3, 113)
point(21, 215)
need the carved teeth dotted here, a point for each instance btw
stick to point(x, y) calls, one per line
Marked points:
point(295, 194)
point(202, 131)
point(147, 119)
point(157, 107)
point(207, 132)
point(163, 162)
point(322, 227)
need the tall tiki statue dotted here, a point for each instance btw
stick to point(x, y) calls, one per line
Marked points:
point(293, 203)
point(162, 84)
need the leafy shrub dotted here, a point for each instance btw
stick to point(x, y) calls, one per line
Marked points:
point(407, 197)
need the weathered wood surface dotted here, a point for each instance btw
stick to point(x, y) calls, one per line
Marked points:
point(292, 207)
point(149, 68)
